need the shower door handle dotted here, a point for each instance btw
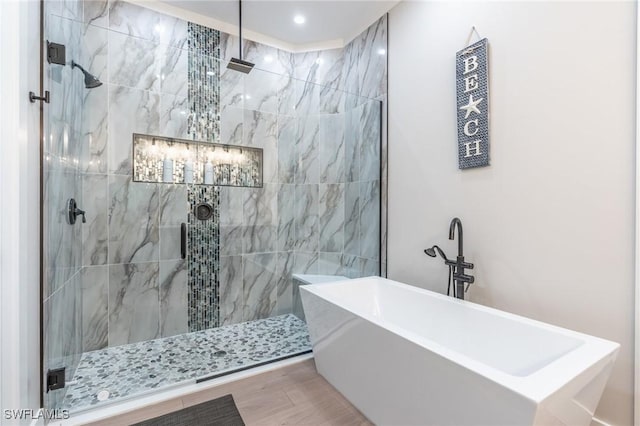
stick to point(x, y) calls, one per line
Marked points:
point(183, 240)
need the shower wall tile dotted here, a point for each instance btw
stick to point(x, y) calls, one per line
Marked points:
point(231, 206)
point(71, 9)
point(173, 298)
point(64, 322)
point(369, 267)
point(266, 58)
point(331, 217)
point(306, 218)
point(351, 78)
point(287, 95)
point(174, 113)
point(231, 89)
point(286, 218)
point(231, 126)
point(231, 290)
point(332, 101)
point(231, 240)
point(284, 303)
point(174, 71)
point(95, 51)
point(134, 308)
point(174, 206)
point(229, 45)
point(260, 207)
point(134, 20)
point(287, 138)
point(331, 264)
point(370, 220)
point(96, 12)
point(170, 243)
point(352, 141)
point(130, 111)
point(95, 132)
point(261, 131)
point(261, 91)
point(95, 312)
point(305, 263)
point(307, 98)
point(95, 233)
point(63, 251)
point(133, 221)
point(260, 285)
point(332, 148)
point(323, 67)
point(372, 66)
point(307, 150)
point(370, 142)
point(351, 266)
point(352, 219)
point(134, 62)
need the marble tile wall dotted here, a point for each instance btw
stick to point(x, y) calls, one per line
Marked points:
point(316, 213)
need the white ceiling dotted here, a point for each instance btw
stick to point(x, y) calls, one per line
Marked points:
point(328, 22)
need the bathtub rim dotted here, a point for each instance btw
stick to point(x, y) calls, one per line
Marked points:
point(591, 357)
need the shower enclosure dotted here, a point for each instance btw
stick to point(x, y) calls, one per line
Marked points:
point(169, 279)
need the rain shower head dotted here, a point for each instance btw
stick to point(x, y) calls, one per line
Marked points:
point(90, 81)
point(238, 64)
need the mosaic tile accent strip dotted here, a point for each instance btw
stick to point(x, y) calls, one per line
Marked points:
point(204, 83)
point(131, 370)
point(203, 246)
point(169, 160)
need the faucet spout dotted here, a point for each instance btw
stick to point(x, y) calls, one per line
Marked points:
point(456, 223)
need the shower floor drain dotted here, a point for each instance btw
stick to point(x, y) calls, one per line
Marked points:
point(220, 353)
point(103, 395)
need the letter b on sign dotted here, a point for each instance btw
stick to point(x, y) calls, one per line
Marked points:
point(470, 64)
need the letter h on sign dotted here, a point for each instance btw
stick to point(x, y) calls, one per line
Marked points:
point(472, 90)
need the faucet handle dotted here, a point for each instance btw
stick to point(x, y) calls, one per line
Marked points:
point(466, 265)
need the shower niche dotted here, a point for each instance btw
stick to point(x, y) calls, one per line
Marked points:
point(159, 159)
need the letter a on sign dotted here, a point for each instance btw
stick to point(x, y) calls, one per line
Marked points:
point(472, 90)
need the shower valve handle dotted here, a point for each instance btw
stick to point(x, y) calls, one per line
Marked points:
point(73, 212)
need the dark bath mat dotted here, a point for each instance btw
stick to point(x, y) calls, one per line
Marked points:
point(218, 412)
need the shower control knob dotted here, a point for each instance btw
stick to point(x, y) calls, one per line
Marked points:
point(73, 212)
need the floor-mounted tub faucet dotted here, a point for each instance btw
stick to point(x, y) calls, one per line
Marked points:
point(459, 277)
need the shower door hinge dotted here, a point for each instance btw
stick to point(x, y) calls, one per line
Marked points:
point(46, 98)
point(55, 379)
point(56, 53)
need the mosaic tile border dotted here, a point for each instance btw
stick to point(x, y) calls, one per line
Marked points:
point(204, 82)
point(203, 247)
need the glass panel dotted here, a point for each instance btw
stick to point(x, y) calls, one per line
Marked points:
point(125, 313)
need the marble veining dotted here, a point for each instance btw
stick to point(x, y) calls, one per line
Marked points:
point(133, 303)
point(133, 237)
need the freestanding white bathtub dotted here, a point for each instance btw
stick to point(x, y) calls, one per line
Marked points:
point(407, 356)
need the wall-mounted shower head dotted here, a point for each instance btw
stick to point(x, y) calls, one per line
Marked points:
point(432, 252)
point(90, 81)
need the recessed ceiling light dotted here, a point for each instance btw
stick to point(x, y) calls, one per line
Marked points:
point(381, 51)
point(299, 19)
point(268, 58)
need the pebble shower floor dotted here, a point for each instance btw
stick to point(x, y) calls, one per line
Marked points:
point(137, 368)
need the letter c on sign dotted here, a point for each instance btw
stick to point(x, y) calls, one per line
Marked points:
point(466, 127)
